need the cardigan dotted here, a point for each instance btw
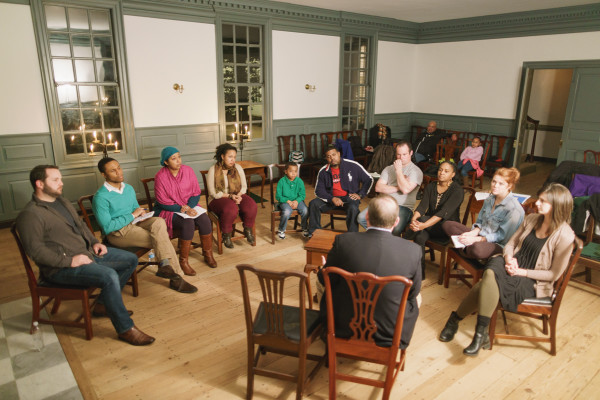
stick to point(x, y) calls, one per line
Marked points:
point(210, 183)
point(553, 257)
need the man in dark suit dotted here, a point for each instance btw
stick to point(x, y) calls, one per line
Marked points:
point(379, 252)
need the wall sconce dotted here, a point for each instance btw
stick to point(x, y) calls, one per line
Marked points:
point(310, 88)
point(178, 88)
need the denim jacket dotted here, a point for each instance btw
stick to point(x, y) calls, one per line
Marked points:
point(498, 226)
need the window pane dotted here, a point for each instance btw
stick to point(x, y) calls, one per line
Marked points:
point(63, 70)
point(227, 32)
point(229, 94)
point(109, 96)
point(111, 118)
point(253, 35)
point(345, 123)
point(228, 74)
point(254, 55)
point(102, 47)
point(111, 138)
point(106, 71)
point(59, 45)
point(242, 74)
point(240, 54)
point(243, 113)
point(240, 34)
point(256, 94)
point(56, 18)
point(256, 111)
point(355, 44)
point(230, 114)
point(91, 119)
point(100, 21)
point(257, 130)
point(255, 75)
point(88, 96)
point(84, 70)
point(78, 19)
point(67, 95)
point(243, 94)
point(81, 46)
point(228, 54)
point(73, 143)
point(70, 120)
point(347, 43)
point(346, 92)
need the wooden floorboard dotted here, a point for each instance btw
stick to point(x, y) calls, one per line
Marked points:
point(200, 351)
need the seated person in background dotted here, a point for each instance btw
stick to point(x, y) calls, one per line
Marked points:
point(177, 191)
point(115, 207)
point(376, 251)
point(67, 253)
point(401, 180)
point(499, 218)
point(441, 202)
point(534, 258)
point(338, 187)
point(425, 145)
point(470, 158)
point(290, 195)
point(227, 196)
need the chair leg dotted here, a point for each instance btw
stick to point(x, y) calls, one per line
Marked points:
point(272, 228)
point(301, 374)
point(35, 314)
point(492, 330)
point(332, 369)
point(87, 317)
point(331, 221)
point(553, 335)
point(431, 254)
point(134, 283)
point(55, 306)
point(219, 239)
point(447, 273)
point(251, 363)
point(254, 234)
point(545, 324)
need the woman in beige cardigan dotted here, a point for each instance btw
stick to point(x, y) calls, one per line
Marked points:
point(534, 258)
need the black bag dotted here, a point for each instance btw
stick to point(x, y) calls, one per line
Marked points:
point(296, 157)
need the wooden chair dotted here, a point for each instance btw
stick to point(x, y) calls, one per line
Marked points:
point(498, 158)
point(87, 215)
point(285, 144)
point(365, 289)
point(308, 145)
point(214, 218)
point(487, 145)
point(275, 212)
point(545, 309)
point(150, 200)
point(590, 257)
point(442, 245)
point(594, 155)
point(279, 328)
point(473, 267)
point(363, 159)
point(58, 293)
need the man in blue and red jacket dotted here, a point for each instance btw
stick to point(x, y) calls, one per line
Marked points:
point(340, 185)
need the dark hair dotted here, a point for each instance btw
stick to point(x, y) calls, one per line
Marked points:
point(222, 149)
point(383, 211)
point(290, 164)
point(329, 148)
point(405, 143)
point(102, 163)
point(38, 173)
point(449, 163)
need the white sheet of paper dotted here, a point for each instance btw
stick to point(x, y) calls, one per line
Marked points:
point(456, 243)
point(198, 209)
point(481, 195)
point(143, 217)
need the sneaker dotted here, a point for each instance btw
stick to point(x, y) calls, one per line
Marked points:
point(306, 234)
point(281, 234)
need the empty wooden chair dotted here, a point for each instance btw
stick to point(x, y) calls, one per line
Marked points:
point(590, 257)
point(545, 309)
point(277, 327)
point(498, 157)
point(365, 289)
point(285, 145)
point(312, 161)
point(594, 156)
point(58, 293)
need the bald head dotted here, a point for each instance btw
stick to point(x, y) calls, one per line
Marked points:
point(431, 126)
point(383, 212)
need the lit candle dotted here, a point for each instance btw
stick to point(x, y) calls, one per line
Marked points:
point(95, 137)
point(235, 128)
point(249, 136)
point(92, 150)
point(109, 138)
point(246, 129)
point(72, 138)
point(117, 147)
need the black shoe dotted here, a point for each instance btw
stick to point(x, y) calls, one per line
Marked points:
point(249, 236)
point(481, 339)
point(227, 240)
point(450, 328)
point(181, 286)
point(166, 271)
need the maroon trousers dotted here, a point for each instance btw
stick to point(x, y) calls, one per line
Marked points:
point(227, 211)
point(478, 250)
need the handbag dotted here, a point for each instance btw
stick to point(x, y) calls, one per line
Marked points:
point(296, 157)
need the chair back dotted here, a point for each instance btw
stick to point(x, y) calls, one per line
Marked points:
point(286, 144)
point(31, 278)
point(308, 144)
point(273, 181)
point(447, 151)
point(145, 182)
point(594, 156)
point(272, 285)
point(487, 145)
point(473, 206)
point(328, 138)
point(365, 289)
point(87, 213)
point(561, 283)
point(204, 173)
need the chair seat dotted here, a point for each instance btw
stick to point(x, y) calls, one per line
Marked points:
point(291, 321)
point(47, 284)
point(591, 250)
point(541, 301)
point(440, 241)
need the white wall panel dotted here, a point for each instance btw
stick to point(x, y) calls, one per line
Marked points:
point(163, 52)
point(298, 59)
point(22, 103)
point(395, 72)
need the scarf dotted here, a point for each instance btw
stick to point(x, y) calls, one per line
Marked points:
point(171, 190)
point(233, 179)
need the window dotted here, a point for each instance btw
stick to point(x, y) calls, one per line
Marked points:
point(356, 82)
point(243, 78)
point(84, 67)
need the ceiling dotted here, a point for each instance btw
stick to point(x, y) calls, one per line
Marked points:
point(435, 10)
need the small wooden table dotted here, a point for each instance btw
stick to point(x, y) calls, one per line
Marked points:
point(254, 168)
point(319, 245)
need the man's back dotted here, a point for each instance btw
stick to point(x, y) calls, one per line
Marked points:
point(382, 254)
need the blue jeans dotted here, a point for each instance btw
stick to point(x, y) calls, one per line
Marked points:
point(109, 273)
point(464, 167)
point(404, 213)
point(317, 206)
point(286, 211)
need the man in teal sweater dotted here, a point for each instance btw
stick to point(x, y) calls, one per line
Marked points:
point(290, 195)
point(115, 207)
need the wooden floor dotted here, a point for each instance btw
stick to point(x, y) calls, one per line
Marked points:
point(200, 351)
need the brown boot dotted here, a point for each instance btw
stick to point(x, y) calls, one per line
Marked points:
point(184, 253)
point(206, 241)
